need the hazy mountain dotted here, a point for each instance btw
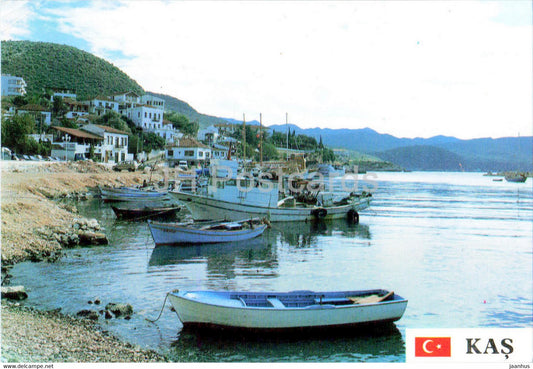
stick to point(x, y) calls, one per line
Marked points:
point(508, 153)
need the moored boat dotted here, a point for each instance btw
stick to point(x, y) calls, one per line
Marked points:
point(109, 194)
point(144, 210)
point(286, 310)
point(516, 177)
point(212, 232)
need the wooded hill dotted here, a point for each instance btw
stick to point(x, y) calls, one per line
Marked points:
point(47, 66)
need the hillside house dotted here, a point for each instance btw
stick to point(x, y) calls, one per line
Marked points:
point(188, 149)
point(101, 105)
point(154, 101)
point(208, 135)
point(110, 144)
point(75, 108)
point(12, 85)
point(219, 151)
point(64, 94)
point(41, 115)
point(146, 117)
point(126, 100)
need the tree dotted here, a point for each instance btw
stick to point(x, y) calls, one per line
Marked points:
point(182, 123)
point(59, 108)
point(15, 131)
point(269, 152)
point(91, 151)
point(328, 155)
point(114, 120)
point(151, 141)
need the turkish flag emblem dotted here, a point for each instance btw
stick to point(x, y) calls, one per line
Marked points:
point(433, 346)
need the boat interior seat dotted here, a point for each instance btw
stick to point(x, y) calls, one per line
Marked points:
point(276, 303)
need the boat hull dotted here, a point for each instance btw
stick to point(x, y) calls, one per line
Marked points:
point(125, 213)
point(203, 207)
point(168, 234)
point(200, 314)
point(130, 194)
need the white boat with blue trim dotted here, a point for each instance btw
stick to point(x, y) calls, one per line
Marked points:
point(212, 232)
point(286, 310)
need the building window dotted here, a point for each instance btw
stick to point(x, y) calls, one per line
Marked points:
point(189, 153)
point(171, 153)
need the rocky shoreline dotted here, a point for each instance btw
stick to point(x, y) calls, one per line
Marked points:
point(37, 224)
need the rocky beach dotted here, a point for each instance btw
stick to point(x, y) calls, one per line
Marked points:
point(37, 224)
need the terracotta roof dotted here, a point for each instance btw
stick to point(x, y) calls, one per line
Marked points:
point(111, 129)
point(78, 133)
point(190, 142)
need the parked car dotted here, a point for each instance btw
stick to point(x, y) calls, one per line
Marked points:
point(130, 166)
point(183, 165)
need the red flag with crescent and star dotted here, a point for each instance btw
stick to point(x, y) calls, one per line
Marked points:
point(433, 346)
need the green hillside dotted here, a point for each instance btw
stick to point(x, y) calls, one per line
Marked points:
point(46, 65)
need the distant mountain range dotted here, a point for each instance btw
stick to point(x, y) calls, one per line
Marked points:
point(435, 153)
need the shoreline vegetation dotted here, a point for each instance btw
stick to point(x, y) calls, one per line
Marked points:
point(35, 226)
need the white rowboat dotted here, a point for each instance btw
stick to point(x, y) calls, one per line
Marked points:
point(176, 233)
point(286, 310)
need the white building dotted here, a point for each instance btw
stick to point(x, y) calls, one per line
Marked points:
point(154, 101)
point(126, 100)
point(146, 117)
point(219, 151)
point(168, 132)
point(12, 85)
point(101, 105)
point(64, 94)
point(208, 135)
point(110, 144)
point(188, 149)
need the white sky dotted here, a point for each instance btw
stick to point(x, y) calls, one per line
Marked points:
point(410, 69)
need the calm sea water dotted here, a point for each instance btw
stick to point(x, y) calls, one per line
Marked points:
point(458, 246)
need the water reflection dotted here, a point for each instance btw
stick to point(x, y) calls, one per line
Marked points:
point(306, 234)
point(368, 344)
point(255, 257)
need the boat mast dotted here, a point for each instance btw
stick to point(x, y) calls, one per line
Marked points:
point(244, 140)
point(261, 138)
point(287, 125)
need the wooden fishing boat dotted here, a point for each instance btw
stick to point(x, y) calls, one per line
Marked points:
point(130, 194)
point(286, 310)
point(145, 210)
point(213, 232)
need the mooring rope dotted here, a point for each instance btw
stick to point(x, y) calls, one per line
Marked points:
point(161, 312)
